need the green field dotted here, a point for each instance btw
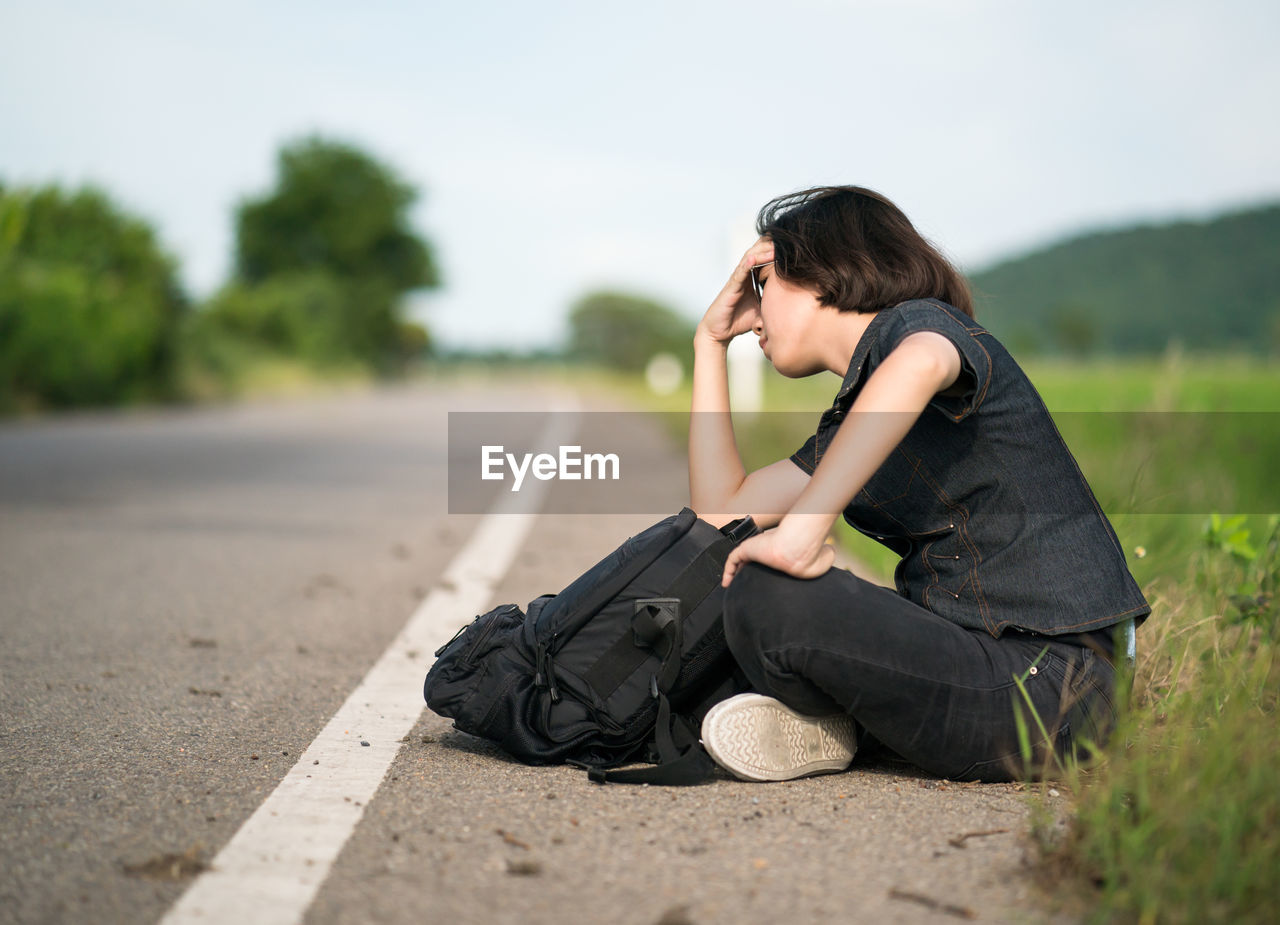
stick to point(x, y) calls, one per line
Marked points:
point(1180, 821)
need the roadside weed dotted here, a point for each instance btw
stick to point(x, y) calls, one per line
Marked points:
point(1181, 822)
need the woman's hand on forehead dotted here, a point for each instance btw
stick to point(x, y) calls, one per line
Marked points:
point(735, 309)
point(758, 253)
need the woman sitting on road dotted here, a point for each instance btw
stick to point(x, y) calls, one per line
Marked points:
point(937, 445)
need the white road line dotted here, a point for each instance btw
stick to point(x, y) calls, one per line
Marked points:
point(272, 868)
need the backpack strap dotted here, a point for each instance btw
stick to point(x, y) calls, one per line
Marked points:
point(658, 624)
point(698, 579)
point(682, 759)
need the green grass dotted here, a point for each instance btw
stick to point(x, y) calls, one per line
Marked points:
point(1180, 819)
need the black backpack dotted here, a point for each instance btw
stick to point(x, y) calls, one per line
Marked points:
point(618, 667)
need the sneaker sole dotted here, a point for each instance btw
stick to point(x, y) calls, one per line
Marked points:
point(758, 738)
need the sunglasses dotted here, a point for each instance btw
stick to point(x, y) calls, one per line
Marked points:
point(755, 279)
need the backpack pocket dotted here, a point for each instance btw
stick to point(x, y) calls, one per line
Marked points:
point(460, 684)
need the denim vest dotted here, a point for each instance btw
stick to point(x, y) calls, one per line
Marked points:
point(995, 523)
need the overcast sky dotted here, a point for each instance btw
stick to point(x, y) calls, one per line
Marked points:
point(564, 146)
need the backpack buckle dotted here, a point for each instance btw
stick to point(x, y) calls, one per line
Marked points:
point(653, 618)
point(740, 529)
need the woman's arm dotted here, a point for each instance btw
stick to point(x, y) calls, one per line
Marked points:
point(719, 487)
point(922, 365)
point(715, 467)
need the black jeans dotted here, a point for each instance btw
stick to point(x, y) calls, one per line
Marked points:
point(941, 696)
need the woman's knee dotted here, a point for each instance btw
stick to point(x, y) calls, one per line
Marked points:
point(753, 609)
point(766, 610)
point(772, 621)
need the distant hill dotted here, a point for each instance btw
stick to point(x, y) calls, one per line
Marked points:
point(1209, 285)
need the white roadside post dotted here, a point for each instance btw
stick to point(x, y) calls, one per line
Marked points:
point(746, 361)
point(746, 375)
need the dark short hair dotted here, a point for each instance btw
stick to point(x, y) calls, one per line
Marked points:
point(857, 250)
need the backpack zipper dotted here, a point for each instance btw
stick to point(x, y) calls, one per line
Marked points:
point(545, 675)
point(452, 639)
point(474, 645)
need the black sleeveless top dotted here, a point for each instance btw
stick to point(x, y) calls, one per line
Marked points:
point(995, 523)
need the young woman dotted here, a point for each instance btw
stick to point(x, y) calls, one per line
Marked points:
point(938, 446)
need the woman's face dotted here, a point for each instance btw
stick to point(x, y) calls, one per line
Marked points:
point(785, 325)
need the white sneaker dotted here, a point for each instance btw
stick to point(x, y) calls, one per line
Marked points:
point(755, 737)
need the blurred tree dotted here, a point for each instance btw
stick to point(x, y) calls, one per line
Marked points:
point(415, 341)
point(624, 331)
point(336, 213)
point(90, 305)
point(298, 314)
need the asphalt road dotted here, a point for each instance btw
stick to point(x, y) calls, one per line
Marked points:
point(186, 598)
